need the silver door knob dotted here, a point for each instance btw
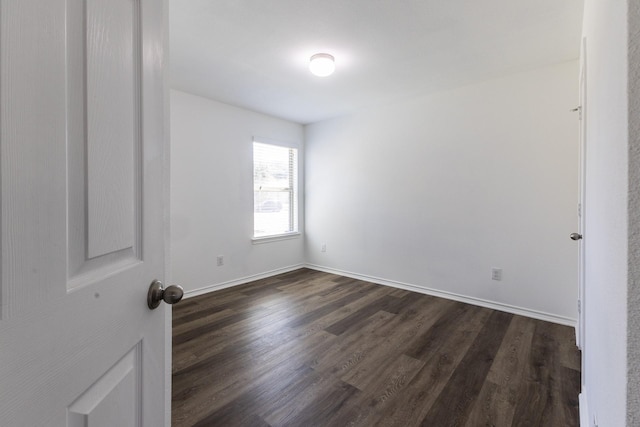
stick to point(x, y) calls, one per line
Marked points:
point(171, 295)
point(575, 236)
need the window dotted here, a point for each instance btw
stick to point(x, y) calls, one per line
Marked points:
point(275, 190)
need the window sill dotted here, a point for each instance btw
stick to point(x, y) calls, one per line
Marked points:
point(275, 238)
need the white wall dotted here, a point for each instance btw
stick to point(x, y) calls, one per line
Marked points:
point(435, 191)
point(606, 211)
point(633, 290)
point(212, 193)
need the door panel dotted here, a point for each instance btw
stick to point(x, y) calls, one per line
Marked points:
point(112, 121)
point(83, 177)
point(113, 400)
point(104, 125)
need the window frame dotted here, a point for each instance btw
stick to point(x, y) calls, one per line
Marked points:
point(293, 189)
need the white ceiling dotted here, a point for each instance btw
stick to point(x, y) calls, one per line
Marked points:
point(254, 53)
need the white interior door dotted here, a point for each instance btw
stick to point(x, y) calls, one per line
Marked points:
point(83, 178)
point(582, 199)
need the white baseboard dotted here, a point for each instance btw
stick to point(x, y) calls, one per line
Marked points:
point(540, 315)
point(392, 283)
point(584, 409)
point(241, 281)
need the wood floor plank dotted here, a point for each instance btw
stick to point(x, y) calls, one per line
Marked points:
point(570, 382)
point(311, 394)
point(353, 348)
point(433, 338)
point(559, 406)
point(426, 386)
point(309, 348)
point(385, 303)
point(214, 386)
point(242, 409)
point(497, 400)
point(323, 405)
point(329, 308)
point(390, 342)
point(256, 322)
point(538, 397)
point(455, 402)
point(194, 308)
point(367, 349)
point(389, 385)
point(489, 409)
point(299, 394)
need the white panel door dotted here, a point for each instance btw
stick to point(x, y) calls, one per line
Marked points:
point(83, 174)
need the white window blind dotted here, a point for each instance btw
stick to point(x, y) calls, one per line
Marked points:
point(275, 190)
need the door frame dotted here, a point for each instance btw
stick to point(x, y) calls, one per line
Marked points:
point(580, 335)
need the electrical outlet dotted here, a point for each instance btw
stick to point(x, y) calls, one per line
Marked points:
point(496, 274)
point(323, 248)
point(220, 260)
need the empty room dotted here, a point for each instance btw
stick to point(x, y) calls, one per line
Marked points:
point(302, 213)
point(414, 256)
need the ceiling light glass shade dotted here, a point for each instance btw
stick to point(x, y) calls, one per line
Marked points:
point(322, 64)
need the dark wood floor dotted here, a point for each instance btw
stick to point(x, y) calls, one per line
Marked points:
point(308, 348)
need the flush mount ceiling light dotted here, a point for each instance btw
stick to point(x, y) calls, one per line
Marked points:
point(322, 64)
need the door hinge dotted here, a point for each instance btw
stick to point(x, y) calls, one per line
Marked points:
point(579, 209)
point(579, 307)
point(578, 110)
